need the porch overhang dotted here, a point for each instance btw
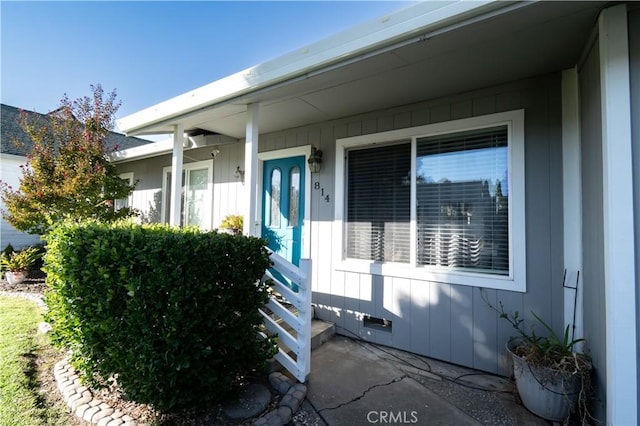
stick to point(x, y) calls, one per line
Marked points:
point(425, 51)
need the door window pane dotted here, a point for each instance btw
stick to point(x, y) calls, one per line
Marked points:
point(294, 195)
point(274, 217)
point(196, 195)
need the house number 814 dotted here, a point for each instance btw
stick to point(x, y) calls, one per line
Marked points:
point(317, 187)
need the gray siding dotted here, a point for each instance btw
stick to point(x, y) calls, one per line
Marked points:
point(592, 220)
point(445, 321)
point(227, 190)
point(634, 49)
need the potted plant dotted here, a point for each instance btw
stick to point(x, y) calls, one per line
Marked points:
point(233, 224)
point(552, 379)
point(17, 264)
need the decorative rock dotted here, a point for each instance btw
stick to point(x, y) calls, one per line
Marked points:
point(73, 398)
point(81, 409)
point(253, 400)
point(105, 421)
point(285, 414)
point(80, 402)
point(117, 414)
point(295, 394)
point(101, 414)
point(44, 327)
point(88, 415)
point(280, 382)
point(294, 397)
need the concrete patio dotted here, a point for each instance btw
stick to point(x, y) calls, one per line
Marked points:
point(357, 383)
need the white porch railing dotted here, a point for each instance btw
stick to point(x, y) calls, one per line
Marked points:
point(299, 343)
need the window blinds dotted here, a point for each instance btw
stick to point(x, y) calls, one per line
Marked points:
point(378, 203)
point(462, 201)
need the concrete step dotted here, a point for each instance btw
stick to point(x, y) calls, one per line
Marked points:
point(321, 332)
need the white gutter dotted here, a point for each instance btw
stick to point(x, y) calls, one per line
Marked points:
point(419, 20)
point(143, 151)
point(167, 146)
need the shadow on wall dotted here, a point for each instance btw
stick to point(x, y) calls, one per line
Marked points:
point(446, 322)
point(154, 214)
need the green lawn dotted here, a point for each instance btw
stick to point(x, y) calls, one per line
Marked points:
point(20, 346)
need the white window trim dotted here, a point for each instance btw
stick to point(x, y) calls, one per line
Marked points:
point(516, 280)
point(129, 178)
point(208, 164)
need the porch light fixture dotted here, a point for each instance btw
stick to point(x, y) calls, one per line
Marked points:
point(239, 174)
point(315, 160)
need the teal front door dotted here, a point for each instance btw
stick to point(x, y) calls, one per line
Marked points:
point(283, 206)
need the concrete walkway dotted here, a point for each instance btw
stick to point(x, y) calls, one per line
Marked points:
point(357, 383)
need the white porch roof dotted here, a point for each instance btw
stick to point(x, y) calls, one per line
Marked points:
point(424, 51)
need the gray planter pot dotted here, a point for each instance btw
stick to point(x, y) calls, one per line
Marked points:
point(544, 391)
point(16, 277)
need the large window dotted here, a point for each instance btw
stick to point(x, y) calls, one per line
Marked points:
point(196, 194)
point(442, 202)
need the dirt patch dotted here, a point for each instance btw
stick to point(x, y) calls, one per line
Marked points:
point(30, 285)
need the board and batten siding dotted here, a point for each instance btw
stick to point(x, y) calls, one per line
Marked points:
point(445, 321)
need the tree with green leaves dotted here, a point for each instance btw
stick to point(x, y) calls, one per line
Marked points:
point(67, 174)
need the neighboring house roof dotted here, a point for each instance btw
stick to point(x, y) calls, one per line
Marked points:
point(10, 130)
point(424, 51)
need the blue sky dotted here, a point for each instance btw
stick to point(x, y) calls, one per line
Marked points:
point(152, 51)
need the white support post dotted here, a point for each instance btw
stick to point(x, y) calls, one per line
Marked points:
point(304, 358)
point(251, 170)
point(572, 202)
point(176, 175)
point(619, 245)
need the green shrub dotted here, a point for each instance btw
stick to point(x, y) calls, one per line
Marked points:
point(8, 250)
point(172, 313)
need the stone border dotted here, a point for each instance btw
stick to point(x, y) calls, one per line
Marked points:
point(78, 397)
point(294, 395)
point(90, 409)
point(82, 402)
point(38, 298)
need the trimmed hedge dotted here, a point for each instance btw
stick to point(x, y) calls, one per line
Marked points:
point(171, 313)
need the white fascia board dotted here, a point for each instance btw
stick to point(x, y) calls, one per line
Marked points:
point(143, 151)
point(416, 20)
point(14, 157)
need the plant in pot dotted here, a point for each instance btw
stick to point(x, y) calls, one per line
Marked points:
point(233, 224)
point(552, 379)
point(17, 264)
